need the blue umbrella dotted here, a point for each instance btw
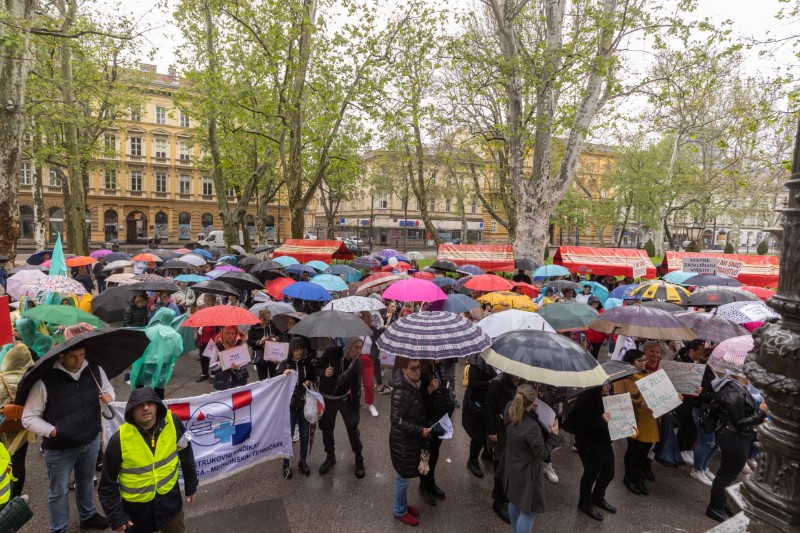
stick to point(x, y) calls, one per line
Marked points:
point(455, 303)
point(286, 260)
point(38, 259)
point(231, 258)
point(299, 269)
point(598, 290)
point(611, 303)
point(203, 253)
point(399, 258)
point(444, 282)
point(304, 290)
point(347, 271)
point(190, 278)
point(677, 276)
point(319, 266)
point(624, 292)
point(330, 282)
point(471, 269)
point(550, 271)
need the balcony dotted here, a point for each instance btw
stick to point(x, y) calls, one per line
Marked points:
point(109, 192)
point(110, 156)
point(136, 194)
point(160, 195)
point(25, 187)
point(53, 189)
point(184, 161)
point(207, 197)
point(134, 157)
point(184, 196)
point(158, 160)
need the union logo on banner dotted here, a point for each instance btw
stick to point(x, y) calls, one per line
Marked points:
point(221, 421)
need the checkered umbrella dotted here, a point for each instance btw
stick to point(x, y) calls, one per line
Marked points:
point(731, 353)
point(741, 312)
point(709, 327)
point(432, 335)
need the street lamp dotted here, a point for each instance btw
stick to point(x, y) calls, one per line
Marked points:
point(693, 231)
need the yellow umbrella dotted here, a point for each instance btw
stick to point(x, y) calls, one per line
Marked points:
point(509, 300)
point(659, 290)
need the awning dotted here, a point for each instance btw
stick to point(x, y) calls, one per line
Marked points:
point(305, 250)
point(602, 261)
point(490, 257)
point(758, 270)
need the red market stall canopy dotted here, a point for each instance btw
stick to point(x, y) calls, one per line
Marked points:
point(489, 257)
point(603, 261)
point(305, 250)
point(758, 270)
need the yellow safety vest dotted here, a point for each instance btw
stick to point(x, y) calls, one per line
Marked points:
point(5, 476)
point(144, 473)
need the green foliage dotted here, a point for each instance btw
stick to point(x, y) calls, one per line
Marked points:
point(546, 252)
point(763, 248)
point(729, 248)
point(650, 248)
point(692, 247)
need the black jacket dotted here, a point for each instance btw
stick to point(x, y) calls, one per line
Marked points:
point(437, 403)
point(134, 317)
point(501, 391)
point(407, 419)
point(738, 408)
point(478, 378)
point(346, 378)
point(587, 415)
point(155, 514)
point(305, 371)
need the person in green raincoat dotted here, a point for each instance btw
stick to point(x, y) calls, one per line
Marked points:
point(38, 343)
point(154, 368)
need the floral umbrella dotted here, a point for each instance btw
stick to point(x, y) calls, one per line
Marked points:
point(388, 252)
point(354, 304)
point(731, 353)
point(51, 284)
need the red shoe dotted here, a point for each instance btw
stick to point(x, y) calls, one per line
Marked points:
point(413, 511)
point(408, 519)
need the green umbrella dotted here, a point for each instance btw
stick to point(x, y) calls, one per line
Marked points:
point(63, 315)
point(567, 316)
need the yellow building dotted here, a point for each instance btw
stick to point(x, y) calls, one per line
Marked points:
point(152, 185)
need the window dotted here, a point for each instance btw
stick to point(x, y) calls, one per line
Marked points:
point(494, 226)
point(53, 179)
point(161, 148)
point(383, 201)
point(447, 205)
point(110, 143)
point(26, 221)
point(161, 182)
point(207, 221)
point(432, 206)
point(230, 193)
point(185, 184)
point(136, 146)
point(474, 208)
point(161, 115)
point(184, 152)
point(185, 122)
point(416, 204)
point(110, 179)
point(26, 173)
point(136, 113)
point(208, 186)
point(136, 180)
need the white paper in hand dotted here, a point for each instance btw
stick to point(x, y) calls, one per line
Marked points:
point(446, 425)
point(546, 414)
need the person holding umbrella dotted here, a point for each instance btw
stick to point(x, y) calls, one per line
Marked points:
point(135, 315)
point(479, 376)
point(100, 275)
point(257, 337)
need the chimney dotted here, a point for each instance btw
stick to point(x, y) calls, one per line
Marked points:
point(173, 72)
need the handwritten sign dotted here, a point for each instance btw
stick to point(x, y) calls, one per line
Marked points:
point(623, 418)
point(238, 354)
point(729, 267)
point(701, 265)
point(640, 268)
point(685, 377)
point(276, 351)
point(659, 393)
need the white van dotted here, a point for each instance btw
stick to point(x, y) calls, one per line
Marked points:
point(217, 238)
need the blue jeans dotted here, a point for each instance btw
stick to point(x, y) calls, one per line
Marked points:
point(400, 495)
point(297, 418)
point(706, 444)
point(520, 522)
point(60, 464)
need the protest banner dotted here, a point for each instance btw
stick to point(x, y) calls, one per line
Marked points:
point(276, 351)
point(658, 393)
point(701, 265)
point(238, 354)
point(729, 267)
point(231, 430)
point(623, 418)
point(640, 268)
point(685, 377)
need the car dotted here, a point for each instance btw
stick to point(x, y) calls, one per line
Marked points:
point(355, 241)
point(309, 236)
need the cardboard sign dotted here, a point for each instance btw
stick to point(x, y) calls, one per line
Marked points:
point(701, 265)
point(659, 393)
point(276, 351)
point(623, 418)
point(729, 267)
point(238, 354)
point(685, 377)
point(640, 268)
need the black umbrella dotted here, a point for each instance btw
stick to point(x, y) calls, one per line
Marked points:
point(110, 304)
point(268, 270)
point(155, 286)
point(705, 297)
point(177, 264)
point(702, 280)
point(217, 252)
point(249, 260)
point(241, 280)
point(561, 284)
point(545, 357)
point(281, 320)
point(112, 349)
point(664, 306)
point(526, 264)
point(39, 257)
point(710, 327)
point(331, 324)
point(215, 287)
point(443, 264)
point(264, 248)
point(165, 254)
point(116, 256)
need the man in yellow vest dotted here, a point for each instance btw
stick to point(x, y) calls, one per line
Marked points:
point(139, 488)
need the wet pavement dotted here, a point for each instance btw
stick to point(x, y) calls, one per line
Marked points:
point(260, 500)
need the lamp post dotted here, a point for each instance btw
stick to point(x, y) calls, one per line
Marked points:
point(693, 231)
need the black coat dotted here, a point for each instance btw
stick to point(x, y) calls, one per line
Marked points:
point(437, 403)
point(305, 371)
point(501, 391)
point(350, 372)
point(134, 317)
point(738, 408)
point(472, 417)
point(407, 419)
point(587, 415)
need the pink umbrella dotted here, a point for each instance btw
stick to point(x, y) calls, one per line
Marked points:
point(183, 251)
point(414, 290)
point(731, 353)
point(99, 254)
point(228, 268)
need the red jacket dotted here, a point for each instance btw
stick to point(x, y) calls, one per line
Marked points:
point(596, 337)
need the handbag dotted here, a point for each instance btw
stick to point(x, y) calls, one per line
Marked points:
point(14, 515)
point(424, 458)
point(314, 406)
point(12, 414)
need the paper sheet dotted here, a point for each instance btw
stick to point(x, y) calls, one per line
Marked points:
point(446, 425)
point(546, 414)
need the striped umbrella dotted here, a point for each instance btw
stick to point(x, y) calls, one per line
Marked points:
point(432, 335)
point(731, 353)
point(367, 262)
point(659, 290)
point(378, 282)
point(638, 321)
point(742, 312)
point(709, 327)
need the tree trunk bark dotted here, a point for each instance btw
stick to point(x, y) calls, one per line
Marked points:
point(663, 210)
point(39, 219)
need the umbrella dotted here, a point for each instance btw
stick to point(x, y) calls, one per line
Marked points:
point(241, 280)
point(116, 265)
point(15, 282)
point(598, 289)
point(99, 254)
point(51, 284)
point(264, 248)
point(731, 353)
point(496, 324)
point(205, 254)
point(415, 256)
point(275, 308)
point(611, 303)
point(701, 280)
point(63, 315)
point(281, 320)
point(110, 304)
point(742, 312)
point(354, 304)
point(215, 287)
point(117, 256)
point(401, 265)
point(658, 290)
point(561, 284)
point(80, 260)
point(678, 277)
point(400, 259)
point(231, 258)
point(275, 287)
point(298, 269)
point(470, 270)
point(155, 286)
point(151, 277)
point(761, 292)
point(568, 316)
point(545, 357)
point(112, 349)
point(332, 323)
point(190, 278)
point(330, 282)
point(23, 268)
point(707, 296)
point(183, 251)
point(432, 335)
point(414, 290)
point(351, 274)
point(455, 303)
point(526, 264)
point(709, 327)
point(646, 322)
point(268, 270)
point(442, 281)
point(286, 260)
point(221, 315)
point(238, 249)
point(509, 300)
point(319, 266)
point(443, 264)
point(388, 252)
point(126, 278)
point(625, 292)
point(378, 282)
point(149, 258)
point(177, 264)
point(366, 262)
point(305, 290)
point(617, 370)
point(488, 283)
point(250, 260)
point(193, 259)
point(550, 271)
point(164, 254)
point(38, 257)
point(664, 306)
point(228, 268)
point(524, 288)
point(424, 275)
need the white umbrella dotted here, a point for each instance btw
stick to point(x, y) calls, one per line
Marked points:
point(193, 259)
point(126, 278)
point(354, 304)
point(114, 265)
point(496, 324)
point(275, 308)
point(15, 282)
point(414, 256)
point(741, 312)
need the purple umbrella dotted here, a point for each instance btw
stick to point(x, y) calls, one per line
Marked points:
point(99, 254)
point(229, 268)
point(388, 252)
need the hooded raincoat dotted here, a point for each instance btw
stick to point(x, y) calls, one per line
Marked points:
point(38, 343)
point(155, 366)
point(16, 361)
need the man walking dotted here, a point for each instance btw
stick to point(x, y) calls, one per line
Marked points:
point(139, 488)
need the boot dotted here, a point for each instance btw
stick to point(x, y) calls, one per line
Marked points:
point(589, 509)
point(330, 460)
point(501, 510)
point(435, 490)
point(475, 469)
point(425, 492)
point(360, 470)
point(648, 471)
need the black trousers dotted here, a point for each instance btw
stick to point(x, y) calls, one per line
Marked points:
point(435, 443)
point(18, 468)
point(636, 459)
point(598, 469)
point(687, 431)
point(734, 447)
point(351, 416)
point(266, 370)
point(475, 447)
point(596, 346)
point(498, 491)
point(204, 363)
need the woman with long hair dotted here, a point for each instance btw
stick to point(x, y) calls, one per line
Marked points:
point(235, 376)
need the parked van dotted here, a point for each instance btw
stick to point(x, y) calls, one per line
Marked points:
point(217, 238)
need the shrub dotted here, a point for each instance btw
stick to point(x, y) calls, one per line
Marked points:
point(693, 247)
point(763, 248)
point(650, 248)
point(729, 248)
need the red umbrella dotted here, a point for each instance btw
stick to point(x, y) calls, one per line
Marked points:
point(488, 283)
point(761, 292)
point(275, 287)
point(150, 258)
point(401, 265)
point(423, 275)
point(221, 315)
point(525, 288)
point(80, 260)
point(377, 282)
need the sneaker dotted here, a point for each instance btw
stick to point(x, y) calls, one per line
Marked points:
point(709, 474)
point(385, 390)
point(701, 477)
point(688, 457)
point(550, 473)
point(296, 436)
point(96, 521)
point(373, 411)
point(408, 519)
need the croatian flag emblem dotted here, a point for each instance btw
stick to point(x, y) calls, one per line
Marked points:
point(210, 423)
